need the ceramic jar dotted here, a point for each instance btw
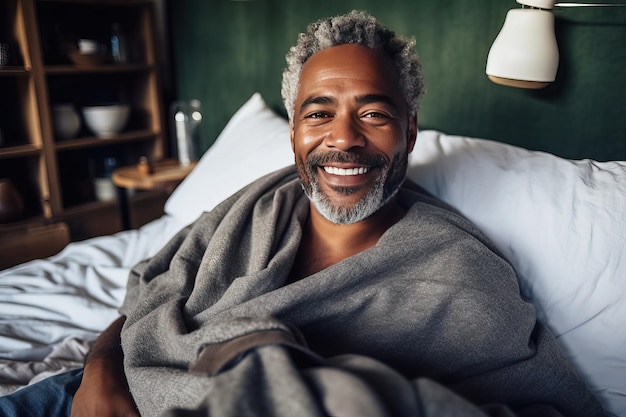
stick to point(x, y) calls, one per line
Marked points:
point(11, 203)
point(67, 121)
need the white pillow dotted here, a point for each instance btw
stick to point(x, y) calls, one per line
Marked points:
point(562, 224)
point(254, 142)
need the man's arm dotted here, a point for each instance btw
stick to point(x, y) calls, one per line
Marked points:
point(104, 389)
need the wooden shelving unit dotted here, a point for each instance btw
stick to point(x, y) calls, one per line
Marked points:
point(55, 176)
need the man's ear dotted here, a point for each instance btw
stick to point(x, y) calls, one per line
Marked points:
point(292, 135)
point(411, 133)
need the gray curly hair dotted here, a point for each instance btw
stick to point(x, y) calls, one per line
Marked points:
point(356, 27)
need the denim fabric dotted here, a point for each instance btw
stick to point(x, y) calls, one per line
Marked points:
point(51, 397)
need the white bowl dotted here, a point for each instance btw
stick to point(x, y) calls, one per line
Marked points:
point(106, 120)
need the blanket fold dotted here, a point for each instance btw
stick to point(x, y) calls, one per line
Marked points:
point(216, 357)
point(432, 301)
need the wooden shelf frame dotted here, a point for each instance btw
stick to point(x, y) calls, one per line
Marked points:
point(31, 136)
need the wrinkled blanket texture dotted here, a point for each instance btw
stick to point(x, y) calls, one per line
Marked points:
point(428, 322)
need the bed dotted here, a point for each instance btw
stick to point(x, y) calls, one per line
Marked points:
point(561, 223)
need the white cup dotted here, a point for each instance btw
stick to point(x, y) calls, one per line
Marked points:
point(104, 189)
point(88, 46)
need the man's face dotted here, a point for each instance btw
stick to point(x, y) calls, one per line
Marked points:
point(351, 134)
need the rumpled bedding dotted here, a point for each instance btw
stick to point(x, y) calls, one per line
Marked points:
point(51, 310)
point(432, 308)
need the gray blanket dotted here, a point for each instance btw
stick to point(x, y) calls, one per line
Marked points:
point(428, 322)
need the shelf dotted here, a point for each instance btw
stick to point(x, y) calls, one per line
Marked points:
point(89, 207)
point(145, 206)
point(13, 71)
point(19, 151)
point(88, 142)
point(19, 226)
point(99, 69)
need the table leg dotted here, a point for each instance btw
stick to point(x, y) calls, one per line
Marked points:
point(122, 200)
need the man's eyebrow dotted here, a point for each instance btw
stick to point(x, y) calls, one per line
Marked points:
point(316, 100)
point(362, 99)
point(377, 98)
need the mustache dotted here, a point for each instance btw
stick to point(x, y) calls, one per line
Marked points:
point(315, 159)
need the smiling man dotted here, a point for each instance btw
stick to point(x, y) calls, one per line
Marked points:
point(351, 132)
point(332, 288)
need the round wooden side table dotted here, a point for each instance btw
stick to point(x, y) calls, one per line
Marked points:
point(165, 175)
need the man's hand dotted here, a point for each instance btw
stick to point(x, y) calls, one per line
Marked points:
point(103, 391)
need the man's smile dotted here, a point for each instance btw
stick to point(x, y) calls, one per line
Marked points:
point(341, 177)
point(345, 171)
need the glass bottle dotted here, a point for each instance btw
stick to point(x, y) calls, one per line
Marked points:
point(187, 120)
point(119, 51)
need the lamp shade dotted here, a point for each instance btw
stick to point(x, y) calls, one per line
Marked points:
point(525, 53)
point(539, 4)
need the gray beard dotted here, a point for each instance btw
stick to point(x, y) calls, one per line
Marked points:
point(385, 187)
point(364, 208)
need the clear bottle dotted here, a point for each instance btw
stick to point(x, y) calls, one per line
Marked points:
point(187, 120)
point(119, 47)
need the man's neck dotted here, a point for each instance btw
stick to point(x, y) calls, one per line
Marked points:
point(325, 243)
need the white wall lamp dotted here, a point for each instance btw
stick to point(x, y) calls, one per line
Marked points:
point(525, 53)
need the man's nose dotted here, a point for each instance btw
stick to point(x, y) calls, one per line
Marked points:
point(345, 133)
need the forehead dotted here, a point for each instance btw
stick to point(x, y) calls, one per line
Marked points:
point(350, 69)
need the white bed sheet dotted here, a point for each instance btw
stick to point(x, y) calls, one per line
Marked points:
point(52, 309)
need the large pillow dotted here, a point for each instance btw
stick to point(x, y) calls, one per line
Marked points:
point(254, 142)
point(562, 224)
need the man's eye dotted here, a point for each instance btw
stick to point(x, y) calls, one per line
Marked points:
point(375, 114)
point(317, 115)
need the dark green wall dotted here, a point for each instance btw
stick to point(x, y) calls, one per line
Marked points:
point(225, 50)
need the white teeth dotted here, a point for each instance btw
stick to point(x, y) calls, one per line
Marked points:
point(343, 171)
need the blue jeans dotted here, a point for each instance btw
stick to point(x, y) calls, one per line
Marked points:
point(50, 397)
